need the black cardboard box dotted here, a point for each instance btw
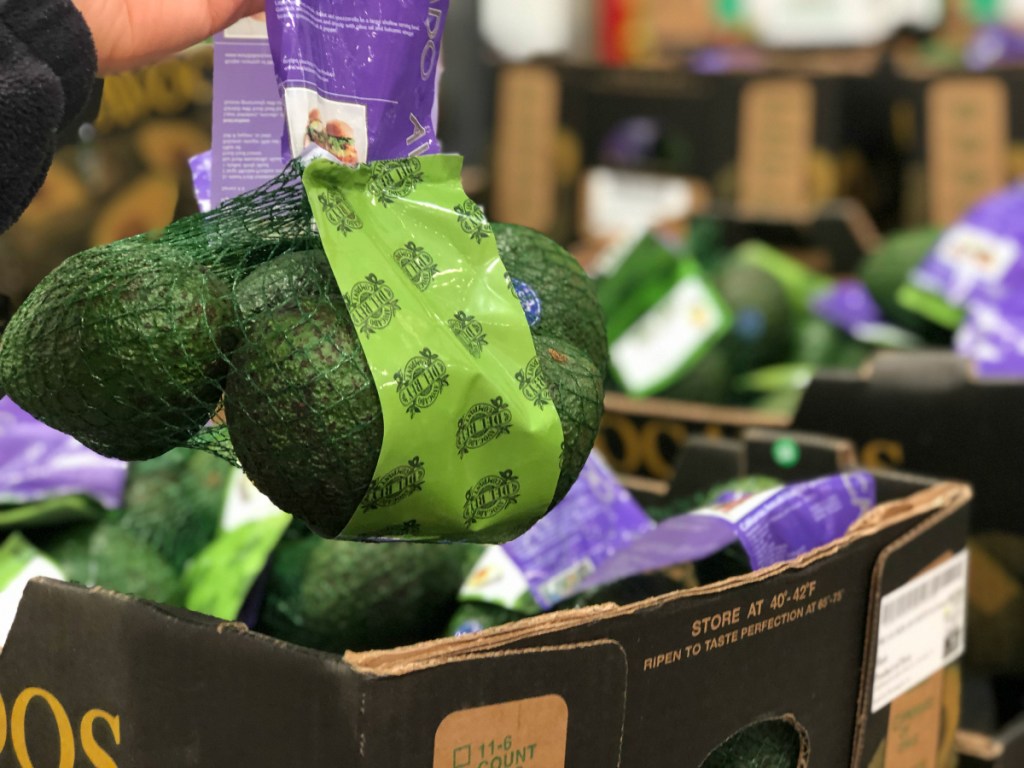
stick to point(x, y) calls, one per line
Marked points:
point(925, 412)
point(91, 678)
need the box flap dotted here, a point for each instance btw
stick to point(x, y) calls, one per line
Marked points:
point(925, 712)
point(547, 707)
point(924, 412)
point(172, 684)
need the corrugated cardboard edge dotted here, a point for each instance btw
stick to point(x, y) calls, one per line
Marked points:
point(943, 500)
point(680, 410)
point(980, 746)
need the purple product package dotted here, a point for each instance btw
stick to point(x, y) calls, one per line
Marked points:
point(38, 462)
point(992, 338)
point(979, 257)
point(771, 526)
point(848, 305)
point(247, 111)
point(359, 78)
point(596, 519)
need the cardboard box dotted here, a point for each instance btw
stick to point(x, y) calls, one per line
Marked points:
point(954, 133)
point(925, 412)
point(779, 145)
point(652, 684)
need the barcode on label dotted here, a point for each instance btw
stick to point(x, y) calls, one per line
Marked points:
point(921, 629)
point(922, 593)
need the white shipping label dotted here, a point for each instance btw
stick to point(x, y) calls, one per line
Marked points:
point(921, 629)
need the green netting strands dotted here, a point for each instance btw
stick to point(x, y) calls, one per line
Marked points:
point(126, 346)
point(227, 332)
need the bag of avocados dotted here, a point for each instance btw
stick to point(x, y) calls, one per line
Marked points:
point(379, 359)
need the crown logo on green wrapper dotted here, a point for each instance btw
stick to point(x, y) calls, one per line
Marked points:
point(372, 304)
point(338, 212)
point(421, 381)
point(532, 383)
point(490, 496)
point(482, 423)
point(417, 264)
point(395, 485)
point(391, 180)
point(469, 331)
point(472, 221)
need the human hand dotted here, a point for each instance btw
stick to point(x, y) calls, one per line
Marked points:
point(130, 33)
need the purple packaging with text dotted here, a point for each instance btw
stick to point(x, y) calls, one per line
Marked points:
point(359, 78)
point(771, 526)
point(597, 518)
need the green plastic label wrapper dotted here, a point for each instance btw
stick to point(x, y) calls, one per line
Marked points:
point(472, 441)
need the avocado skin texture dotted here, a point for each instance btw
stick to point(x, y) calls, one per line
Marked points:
point(123, 351)
point(173, 503)
point(299, 378)
point(305, 417)
point(339, 595)
point(568, 298)
point(577, 392)
point(301, 276)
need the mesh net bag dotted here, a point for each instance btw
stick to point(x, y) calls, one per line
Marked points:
point(227, 332)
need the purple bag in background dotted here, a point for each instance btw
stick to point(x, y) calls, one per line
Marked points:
point(202, 168)
point(979, 257)
point(359, 78)
point(848, 305)
point(992, 338)
point(771, 526)
point(37, 462)
point(597, 518)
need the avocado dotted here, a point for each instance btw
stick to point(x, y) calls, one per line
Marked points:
point(299, 276)
point(765, 744)
point(123, 350)
point(568, 306)
point(103, 555)
point(709, 381)
point(762, 317)
point(301, 379)
point(885, 269)
point(305, 417)
point(339, 595)
point(174, 503)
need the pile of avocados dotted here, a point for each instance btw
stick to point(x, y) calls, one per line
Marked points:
point(776, 341)
point(133, 351)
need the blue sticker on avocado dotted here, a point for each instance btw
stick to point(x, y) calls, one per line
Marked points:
point(529, 299)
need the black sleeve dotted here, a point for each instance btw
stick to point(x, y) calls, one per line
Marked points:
point(47, 75)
